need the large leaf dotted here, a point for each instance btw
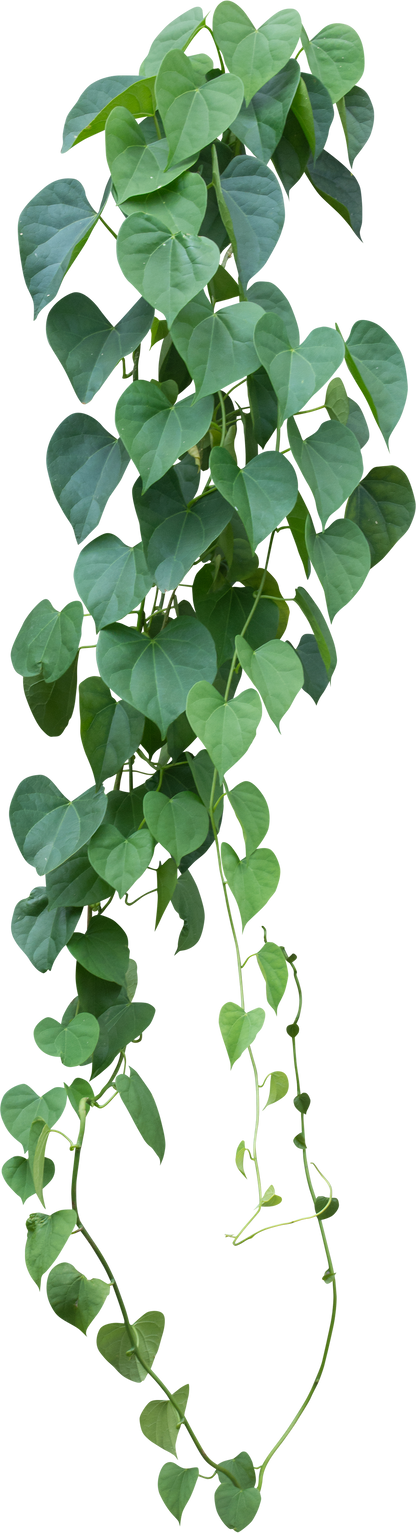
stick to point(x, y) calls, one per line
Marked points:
point(160, 1421)
point(336, 56)
point(319, 626)
point(251, 206)
point(53, 228)
point(156, 429)
point(338, 187)
point(21, 1106)
point(87, 345)
point(330, 461)
point(102, 949)
point(138, 164)
point(377, 366)
point(193, 115)
point(253, 880)
point(263, 492)
point(383, 506)
point(239, 1028)
point(142, 1108)
point(168, 268)
point(112, 578)
point(120, 859)
point(273, 966)
point(110, 732)
point(226, 611)
point(357, 116)
point(260, 125)
point(89, 115)
point(186, 900)
point(18, 1175)
point(41, 933)
point(275, 670)
point(226, 729)
point(85, 464)
point(237, 1503)
point(48, 641)
point(176, 528)
point(220, 349)
point(52, 703)
point(74, 1297)
point(47, 1234)
point(177, 34)
point(342, 559)
point(255, 55)
point(180, 823)
point(296, 372)
point(156, 674)
point(47, 826)
point(180, 206)
point(175, 1486)
point(251, 810)
point(75, 883)
point(312, 106)
point(114, 1343)
point(119, 1025)
point(72, 1042)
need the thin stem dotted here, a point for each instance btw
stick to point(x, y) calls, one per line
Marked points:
point(140, 896)
point(282, 1223)
point(224, 421)
point(131, 783)
point(107, 226)
point(222, 65)
point(156, 125)
point(256, 1128)
point(311, 410)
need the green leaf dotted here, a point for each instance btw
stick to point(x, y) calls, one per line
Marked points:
point(193, 115)
point(177, 34)
point(110, 732)
point(18, 1175)
point(53, 228)
point(330, 461)
point(299, 1140)
point(75, 883)
point(114, 1343)
point(263, 405)
point(338, 187)
point(342, 560)
point(180, 207)
point(377, 365)
point(312, 106)
point(279, 1086)
point(275, 670)
point(251, 206)
point(52, 704)
point(155, 674)
point(74, 1297)
point(160, 1421)
point(296, 372)
point(236, 1508)
point(241, 1151)
point(175, 1486)
point(337, 402)
point(253, 881)
point(255, 55)
point(103, 949)
point(77, 1091)
point(226, 611)
point(156, 430)
point(138, 165)
point(47, 826)
point(38, 1139)
point(272, 963)
point(47, 1234)
point(302, 1101)
point(89, 115)
point(120, 859)
point(166, 880)
point(73, 1043)
point(119, 1025)
point(319, 628)
point(180, 824)
point(292, 153)
point(357, 116)
point(41, 933)
point(48, 641)
point(168, 268)
point(333, 1207)
point(221, 348)
point(251, 810)
point(142, 1108)
point(383, 506)
point(98, 995)
point(260, 125)
point(355, 420)
point(270, 1199)
point(297, 520)
point(175, 528)
point(226, 729)
point(263, 492)
point(336, 56)
point(85, 464)
point(239, 1028)
point(315, 676)
point(21, 1106)
point(186, 900)
point(87, 345)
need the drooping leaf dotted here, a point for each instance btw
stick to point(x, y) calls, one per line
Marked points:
point(114, 1343)
point(175, 1486)
point(383, 506)
point(168, 268)
point(74, 1297)
point(40, 932)
point(272, 963)
point(337, 402)
point(260, 125)
point(193, 115)
point(180, 824)
point(336, 56)
point(226, 729)
point(357, 116)
point(320, 1204)
point(119, 1025)
point(186, 900)
point(48, 641)
point(220, 348)
point(226, 611)
point(47, 826)
point(52, 704)
point(75, 883)
point(279, 1086)
point(142, 1108)
point(18, 1175)
point(53, 228)
point(47, 1234)
point(73, 1043)
point(157, 429)
point(110, 732)
point(263, 492)
point(291, 156)
point(338, 187)
point(237, 1504)
point(330, 461)
point(160, 1420)
point(239, 1028)
point(102, 949)
point(78, 1091)
point(355, 420)
point(166, 880)
point(296, 372)
point(87, 345)
point(156, 674)
point(177, 34)
point(297, 520)
point(251, 206)
point(176, 528)
point(342, 559)
point(312, 106)
point(377, 365)
point(275, 670)
point(253, 881)
point(251, 810)
point(89, 115)
point(319, 627)
point(255, 54)
point(137, 162)
point(120, 859)
point(263, 405)
point(85, 464)
point(315, 676)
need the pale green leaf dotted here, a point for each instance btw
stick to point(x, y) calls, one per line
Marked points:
point(330, 461)
point(275, 670)
point(272, 963)
point(251, 810)
point(226, 729)
point(175, 1486)
point(342, 559)
point(46, 1237)
point(239, 1028)
point(75, 1298)
point(253, 881)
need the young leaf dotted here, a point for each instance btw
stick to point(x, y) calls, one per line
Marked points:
point(53, 228)
point(251, 810)
point(260, 125)
point(166, 880)
point(275, 670)
point(239, 1028)
point(226, 729)
point(77, 1091)
point(239, 1157)
point(279, 1086)
point(330, 461)
point(175, 1486)
point(85, 464)
point(40, 932)
point(336, 401)
point(156, 429)
point(255, 54)
point(47, 1234)
point(87, 345)
point(312, 106)
point(21, 1106)
point(193, 115)
point(253, 881)
point(47, 826)
point(75, 883)
point(333, 1207)
point(377, 365)
point(120, 859)
point(73, 1043)
point(110, 732)
point(319, 628)
point(338, 187)
point(89, 115)
point(270, 1199)
point(180, 824)
point(383, 506)
point(119, 1025)
point(48, 641)
point(342, 559)
point(38, 1139)
point(160, 1421)
point(263, 492)
point(75, 1298)
point(102, 949)
point(296, 372)
point(251, 205)
point(52, 703)
point(302, 1101)
point(336, 56)
point(186, 900)
point(155, 674)
point(272, 963)
point(142, 1108)
point(357, 116)
point(114, 1343)
point(18, 1175)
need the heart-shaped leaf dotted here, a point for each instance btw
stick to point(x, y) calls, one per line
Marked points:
point(110, 732)
point(238, 1502)
point(383, 506)
point(239, 1028)
point(21, 1106)
point(168, 268)
point(302, 1101)
point(279, 1086)
point(53, 228)
point(85, 464)
point(253, 881)
point(89, 115)
point(52, 703)
point(180, 206)
point(275, 670)
point(320, 1204)
point(137, 165)
point(18, 1175)
point(193, 115)
point(47, 1234)
point(220, 348)
point(175, 1486)
point(102, 949)
point(48, 641)
point(119, 1025)
point(180, 824)
point(336, 56)
point(75, 883)
point(160, 1421)
point(255, 54)
point(272, 964)
point(142, 1108)
point(312, 106)
point(73, 1043)
point(156, 674)
point(330, 461)
point(263, 492)
point(156, 429)
point(75, 1298)
point(176, 528)
point(114, 1343)
point(177, 34)
point(111, 578)
point(40, 932)
point(251, 810)
point(225, 612)
point(357, 116)
point(47, 826)
point(87, 345)
point(296, 372)
point(226, 729)
point(119, 859)
point(334, 182)
point(377, 365)
point(342, 559)
point(260, 125)
point(252, 209)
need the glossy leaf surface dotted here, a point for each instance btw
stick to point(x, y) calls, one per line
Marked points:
point(334, 182)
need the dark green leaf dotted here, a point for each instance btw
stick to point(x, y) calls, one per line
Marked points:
point(89, 115)
point(160, 1421)
point(302, 1101)
point(330, 461)
point(239, 1028)
point(260, 125)
point(275, 670)
point(85, 464)
point(87, 345)
point(319, 628)
point(114, 1343)
point(166, 879)
point(155, 675)
point(253, 881)
point(315, 676)
point(18, 1176)
point(74, 1297)
point(46, 1237)
point(357, 422)
point(357, 116)
point(263, 405)
point(255, 54)
point(272, 963)
point(341, 557)
point(110, 732)
point(383, 506)
point(119, 1026)
point(377, 365)
point(41, 933)
point(297, 520)
point(98, 995)
point(186, 900)
point(193, 115)
point(75, 883)
point(251, 205)
point(333, 1207)
point(222, 286)
point(226, 611)
point(312, 106)
point(251, 810)
point(175, 1486)
point(156, 429)
point(102, 949)
point(53, 228)
point(279, 1086)
point(52, 704)
point(263, 492)
point(337, 402)
point(176, 529)
point(226, 729)
point(338, 187)
point(47, 826)
point(291, 156)
point(336, 56)
point(142, 1108)
point(48, 641)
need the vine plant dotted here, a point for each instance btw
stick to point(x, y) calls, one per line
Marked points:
point(197, 183)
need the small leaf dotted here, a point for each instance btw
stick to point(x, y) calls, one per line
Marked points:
point(302, 1101)
point(18, 1176)
point(337, 402)
point(103, 949)
point(318, 624)
point(263, 492)
point(226, 729)
point(299, 1139)
point(357, 116)
point(272, 963)
point(166, 879)
point(251, 810)
point(279, 1086)
point(241, 1151)
point(296, 371)
point(21, 1106)
point(46, 1237)
point(253, 881)
point(160, 1421)
point(38, 1139)
point(75, 1298)
point(239, 1028)
point(186, 900)
point(333, 1207)
point(52, 703)
point(377, 365)
point(114, 1343)
point(298, 519)
point(270, 1198)
point(175, 1486)
point(142, 1108)
point(276, 670)
point(255, 53)
point(315, 677)
point(156, 428)
point(77, 1091)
